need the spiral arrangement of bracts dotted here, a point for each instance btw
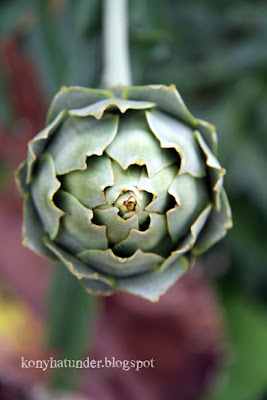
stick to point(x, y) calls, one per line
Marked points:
point(124, 188)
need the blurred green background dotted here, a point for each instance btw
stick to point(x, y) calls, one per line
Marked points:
point(215, 52)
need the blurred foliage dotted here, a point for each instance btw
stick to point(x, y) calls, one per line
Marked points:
point(4, 174)
point(215, 53)
point(69, 330)
point(245, 374)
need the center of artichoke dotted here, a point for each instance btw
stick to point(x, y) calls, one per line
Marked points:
point(128, 204)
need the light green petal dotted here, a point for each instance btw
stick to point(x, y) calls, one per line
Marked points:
point(153, 284)
point(143, 218)
point(76, 232)
point(215, 171)
point(32, 230)
point(117, 227)
point(75, 97)
point(145, 240)
point(79, 138)
point(37, 145)
point(97, 109)
point(98, 287)
point(21, 177)
point(217, 225)
point(88, 186)
point(88, 276)
point(44, 187)
point(192, 195)
point(167, 99)
point(174, 134)
point(208, 132)
point(188, 242)
point(159, 185)
point(106, 261)
point(135, 144)
point(125, 180)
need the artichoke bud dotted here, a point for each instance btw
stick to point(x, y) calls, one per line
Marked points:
point(124, 188)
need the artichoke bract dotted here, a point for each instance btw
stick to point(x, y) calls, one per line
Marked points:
point(124, 188)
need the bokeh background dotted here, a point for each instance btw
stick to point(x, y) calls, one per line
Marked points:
point(208, 334)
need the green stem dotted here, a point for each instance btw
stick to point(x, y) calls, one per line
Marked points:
point(115, 35)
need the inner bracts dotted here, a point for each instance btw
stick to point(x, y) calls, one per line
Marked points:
point(136, 194)
point(128, 204)
point(127, 209)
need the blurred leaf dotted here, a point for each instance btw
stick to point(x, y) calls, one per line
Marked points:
point(6, 112)
point(62, 52)
point(45, 45)
point(82, 53)
point(245, 377)
point(87, 16)
point(248, 174)
point(246, 244)
point(70, 315)
point(14, 14)
point(4, 174)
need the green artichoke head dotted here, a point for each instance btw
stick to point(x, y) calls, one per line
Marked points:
point(124, 188)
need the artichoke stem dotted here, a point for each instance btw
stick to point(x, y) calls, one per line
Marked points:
point(115, 44)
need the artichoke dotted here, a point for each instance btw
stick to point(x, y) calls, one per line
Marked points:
point(124, 188)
